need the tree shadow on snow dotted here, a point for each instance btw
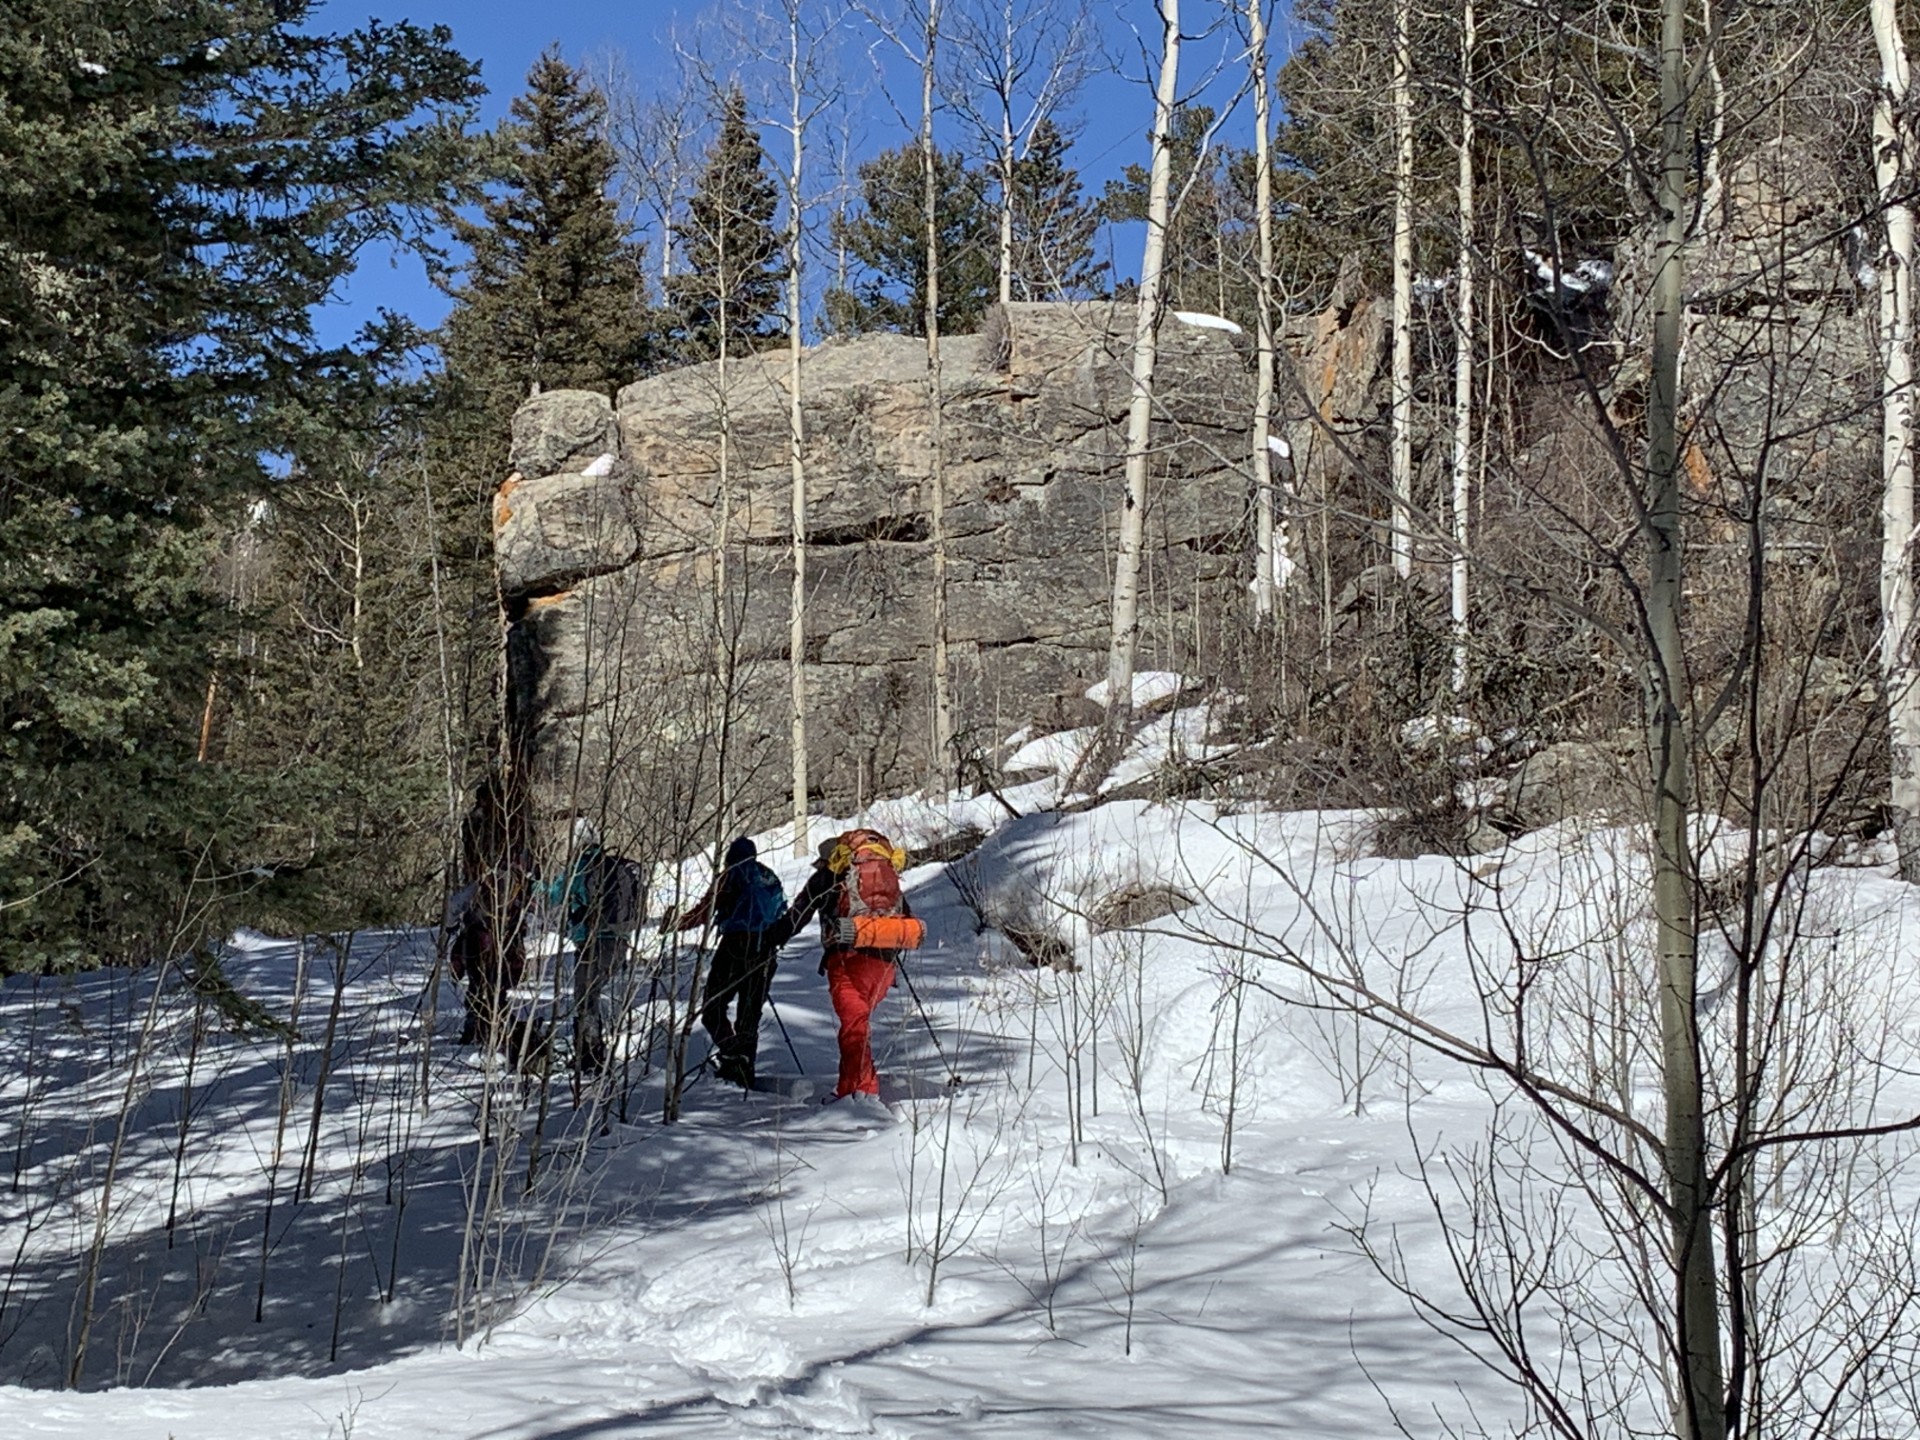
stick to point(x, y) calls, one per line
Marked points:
point(215, 1262)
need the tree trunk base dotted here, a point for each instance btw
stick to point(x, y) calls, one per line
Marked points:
point(1906, 839)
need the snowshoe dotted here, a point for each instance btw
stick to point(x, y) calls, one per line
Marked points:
point(804, 1088)
point(858, 1111)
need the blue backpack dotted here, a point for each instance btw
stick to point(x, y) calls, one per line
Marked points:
point(750, 900)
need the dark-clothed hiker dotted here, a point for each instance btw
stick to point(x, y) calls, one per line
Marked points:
point(855, 892)
point(599, 893)
point(468, 943)
point(486, 921)
point(743, 904)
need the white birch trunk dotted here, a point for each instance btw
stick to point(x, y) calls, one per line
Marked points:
point(723, 512)
point(1006, 153)
point(1712, 190)
point(1401, 538)
point(1126, 568)
point(1893, 174)
point(1267, 577)
point(796, 443)
point(1006, 216)
point(1463, 359)
point(1694, 1328)
point(942, 758)
point(726, 627)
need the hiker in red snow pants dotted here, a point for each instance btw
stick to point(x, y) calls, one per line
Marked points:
point(858, 980)
point(857, 873)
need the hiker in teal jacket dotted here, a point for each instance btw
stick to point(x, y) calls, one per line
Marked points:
point(599, 896)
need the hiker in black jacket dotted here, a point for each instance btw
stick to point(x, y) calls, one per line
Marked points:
point(743, 905)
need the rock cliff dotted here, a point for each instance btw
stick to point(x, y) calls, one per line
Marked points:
point(644, 545)
point(644, 548)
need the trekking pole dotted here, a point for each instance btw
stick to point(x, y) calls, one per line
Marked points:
point(953, 1075)
point(784, 1035)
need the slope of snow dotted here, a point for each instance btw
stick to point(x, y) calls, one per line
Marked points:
point(1058, 1245)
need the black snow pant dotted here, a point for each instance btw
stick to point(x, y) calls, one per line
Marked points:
point(596, 971)
point(741, 972)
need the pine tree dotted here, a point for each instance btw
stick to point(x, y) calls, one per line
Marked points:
point(732, 251)
point(1203, 271)
point(1336, 142)
point(184, 184)
point(887, 237)
point(1053, 226)
point(334, 685)
point(553, 294)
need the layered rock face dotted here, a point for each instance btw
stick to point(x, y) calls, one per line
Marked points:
point(645, 550)
point(1783, 367)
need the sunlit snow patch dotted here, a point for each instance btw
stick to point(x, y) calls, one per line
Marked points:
point(1149, 687)
point(1423, 730)
point(1200, 320)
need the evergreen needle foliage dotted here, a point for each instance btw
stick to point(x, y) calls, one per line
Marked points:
point(1054, 226)
point(730, 291)
point(887, 237)
point(552, 294)
point(183, 185)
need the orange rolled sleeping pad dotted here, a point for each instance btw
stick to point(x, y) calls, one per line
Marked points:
point(881, 932)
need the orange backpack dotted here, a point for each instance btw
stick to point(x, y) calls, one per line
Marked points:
point(871, 906)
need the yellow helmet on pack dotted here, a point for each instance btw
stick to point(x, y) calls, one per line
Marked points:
point(857, 843)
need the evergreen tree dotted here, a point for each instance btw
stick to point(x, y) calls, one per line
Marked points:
point(1053, 226)
point(1332, 177)
point(1208, 265)
point(552, 296)
point(184, 183)
point(333, 684)
point(888, 237)
point(733, 254)
point(553, 293)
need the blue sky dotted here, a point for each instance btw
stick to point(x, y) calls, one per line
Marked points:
point(1113, 110)
point(505, 39)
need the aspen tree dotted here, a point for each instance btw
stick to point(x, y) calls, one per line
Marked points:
point(1126, 569)
point(941, 760)
point(1266, 561)
point(1463, 358)
point(801, 63)
point(796, 443)
point(1893, 173)
point(924, 51)
point(1401, 538)
point(1700, 1395)
point(656, 133)
point(1021, 59)
point(1004, 252)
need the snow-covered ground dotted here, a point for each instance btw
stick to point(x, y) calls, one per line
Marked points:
point(1140, 1214)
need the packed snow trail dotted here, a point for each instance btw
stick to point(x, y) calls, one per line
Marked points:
point(1051, 1247)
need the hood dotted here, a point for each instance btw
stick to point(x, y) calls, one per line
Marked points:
point(741, 851)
